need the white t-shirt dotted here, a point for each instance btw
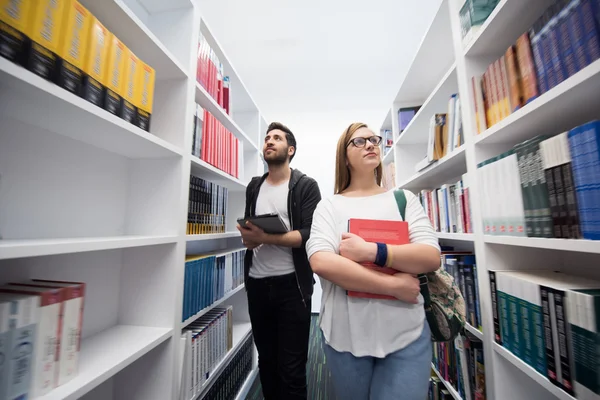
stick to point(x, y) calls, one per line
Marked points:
point(367, 327)
point(270, 260)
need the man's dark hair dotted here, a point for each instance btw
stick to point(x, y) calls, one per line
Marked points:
point(289, 136)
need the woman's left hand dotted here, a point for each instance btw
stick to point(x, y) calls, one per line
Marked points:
point(355, 248)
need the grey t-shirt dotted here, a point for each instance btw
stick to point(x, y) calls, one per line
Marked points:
point(270, 260)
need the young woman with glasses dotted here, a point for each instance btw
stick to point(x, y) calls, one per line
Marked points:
point(376, 349)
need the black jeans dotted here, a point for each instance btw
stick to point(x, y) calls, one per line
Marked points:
point(280, 326)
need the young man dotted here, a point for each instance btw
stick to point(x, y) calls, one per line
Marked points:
point(279, 280)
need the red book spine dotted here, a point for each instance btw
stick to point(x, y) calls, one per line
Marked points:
point(467, 210)
point(205, 135)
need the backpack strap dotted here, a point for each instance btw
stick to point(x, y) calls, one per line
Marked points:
point(401, 202)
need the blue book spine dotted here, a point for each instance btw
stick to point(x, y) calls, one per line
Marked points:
point(547, 57)
point(595, 181)
point(536, 48)
point(564, 41)
point(576, 34)
point(580, 176)
point(555, 53)
point(590, 30)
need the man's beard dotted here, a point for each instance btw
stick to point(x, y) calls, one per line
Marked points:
point(276, 159)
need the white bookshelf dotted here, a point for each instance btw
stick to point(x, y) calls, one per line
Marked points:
point(436, 73)
point(86, 196)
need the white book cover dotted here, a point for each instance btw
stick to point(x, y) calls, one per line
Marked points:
point(516, 199)
point(485, 199)
point(23, 318)
point(45, 365)
point(436, 210)
point(456, 135)
point(451, 193)
point(72, 323)
point(503, 190)
point(459, 208)
point(440, 199)
point(431, 141)
point(450, 121)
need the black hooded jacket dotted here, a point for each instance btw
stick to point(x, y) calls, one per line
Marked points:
point(303, 197)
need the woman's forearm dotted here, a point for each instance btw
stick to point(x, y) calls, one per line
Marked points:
point(349, 275)
point(414, 258)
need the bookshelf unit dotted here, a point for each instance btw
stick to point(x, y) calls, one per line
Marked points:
point(86, 196)
point(438, 73)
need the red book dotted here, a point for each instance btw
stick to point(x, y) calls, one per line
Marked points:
point(388, 232)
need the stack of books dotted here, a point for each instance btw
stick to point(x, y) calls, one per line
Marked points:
point(214, 143)
point(563, 41)
point(205, 342)
point(448, 207)
point(207, 207)
point(545, 187)
point(549, 320)
point(209, 277)
point(40, 336)
point(65, 43)
point(210, 75)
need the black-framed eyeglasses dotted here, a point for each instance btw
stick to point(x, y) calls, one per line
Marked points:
point(362, 141)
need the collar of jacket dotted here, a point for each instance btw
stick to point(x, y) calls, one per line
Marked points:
point(294, 178)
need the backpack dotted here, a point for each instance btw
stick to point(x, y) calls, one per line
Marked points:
point(444, 304)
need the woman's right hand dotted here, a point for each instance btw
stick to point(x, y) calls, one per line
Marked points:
point(405, 287)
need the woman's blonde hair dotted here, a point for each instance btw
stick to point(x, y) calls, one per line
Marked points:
point(342, 171)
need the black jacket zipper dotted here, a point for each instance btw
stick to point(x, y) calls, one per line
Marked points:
point(290, 207)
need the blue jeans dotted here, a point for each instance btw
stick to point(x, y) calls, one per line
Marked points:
point(403, 375)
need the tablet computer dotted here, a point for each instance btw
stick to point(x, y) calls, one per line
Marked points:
point(270, 223)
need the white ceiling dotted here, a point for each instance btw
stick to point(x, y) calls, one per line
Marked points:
point(320, 56)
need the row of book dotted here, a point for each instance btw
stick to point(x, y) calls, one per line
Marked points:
point(564, 40)
point(207, 207)
point(448, 207)
point(549, 320)
point(206, 342)
point(62, 41)
point(461, 364)
point(472, 15)
point(40, 336)
point(210, 74)
point(215, 144)
point(545, 186)
point(463, 268)
point(209, 277)
point(232, 379)
point(445, 134)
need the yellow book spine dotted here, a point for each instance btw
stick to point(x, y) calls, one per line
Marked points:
point(75, 34)
point(145, 99)
point(46, 23)
point(16, 14)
